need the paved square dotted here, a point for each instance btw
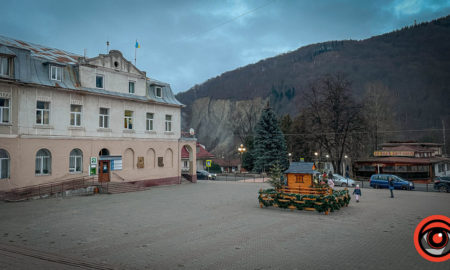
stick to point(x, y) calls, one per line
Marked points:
point(218, 225)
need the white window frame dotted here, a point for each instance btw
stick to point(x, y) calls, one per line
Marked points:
point(6, 73)
point(156, 92)
point(77, 160)
point(4, 162)
point(55, 73)
point(75, 115)
point(40, 162)
point(43, 112)
point(134, 87)
point(7, 109)
point(168, 123)
point(103, 121)
point(128, 120)
point(103, 81)
point(149, 121)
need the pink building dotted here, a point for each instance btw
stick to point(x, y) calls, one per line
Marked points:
point(64, 115)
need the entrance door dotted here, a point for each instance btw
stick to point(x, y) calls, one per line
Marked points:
point(103, 172)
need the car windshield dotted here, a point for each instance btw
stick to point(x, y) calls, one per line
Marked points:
point(399, 179)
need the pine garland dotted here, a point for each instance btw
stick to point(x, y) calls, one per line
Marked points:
point(335, 201)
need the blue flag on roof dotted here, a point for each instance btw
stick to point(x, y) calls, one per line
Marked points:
point(137, 45)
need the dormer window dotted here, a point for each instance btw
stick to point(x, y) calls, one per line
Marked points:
point(55, 73)
point(99, 81)
point(158, 92)
point(5, 66)
point(131, 87)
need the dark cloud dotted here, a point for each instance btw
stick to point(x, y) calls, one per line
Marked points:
point(187, 42)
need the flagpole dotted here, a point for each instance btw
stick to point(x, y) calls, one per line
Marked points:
point(135, 48)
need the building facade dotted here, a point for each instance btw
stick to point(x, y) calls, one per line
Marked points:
point(64, 116)
point(414, 161)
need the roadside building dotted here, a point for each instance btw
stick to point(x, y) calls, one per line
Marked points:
point(414, 161)
point(202, 156)
point(228, 165)
point(64, 115)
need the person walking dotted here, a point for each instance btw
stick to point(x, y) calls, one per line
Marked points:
point(357, 193)
point(391, 186)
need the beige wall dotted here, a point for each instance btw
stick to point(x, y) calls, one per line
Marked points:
point(22, 154)
point(23, 115)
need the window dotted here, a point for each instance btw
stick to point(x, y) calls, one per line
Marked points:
point(5, 66)
point(42, 113)
point(299, 179)
point(131, 87)
point(75, 115)
point(55, 73)
point(43, 162)
point(149, 121)
point(103, 120)
point(76, 161)
point(4, 164)
point(158, 92)
point(168, 122)
point(99, 81)
point(4, 110)
point(128, 120)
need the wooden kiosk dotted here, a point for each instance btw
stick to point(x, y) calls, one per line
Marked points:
point(302, 193)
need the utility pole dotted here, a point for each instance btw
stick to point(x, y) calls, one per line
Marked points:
point(443, 133)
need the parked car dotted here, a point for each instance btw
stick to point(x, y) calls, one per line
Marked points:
point(442, 183)
point(340, 180)
point(204, 175)
point(381, 181)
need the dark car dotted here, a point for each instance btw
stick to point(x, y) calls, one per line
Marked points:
point(381, 181)
point(442, 183)
point(204, 175)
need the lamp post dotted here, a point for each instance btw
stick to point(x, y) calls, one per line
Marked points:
point(290, 158)
point(316, 158)
point(241, 150)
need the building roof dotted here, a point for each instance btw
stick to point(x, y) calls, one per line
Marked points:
point(423, 144)
point(43, 52)
point(32, 68)
point(201, 153)
point(407, 148)
point(406, 160)
point(301, 167)
point(227, 162)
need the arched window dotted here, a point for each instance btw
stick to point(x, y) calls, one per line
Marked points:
point(43, 162)
point(76, 161)
point(103, 152)
point(4, 164)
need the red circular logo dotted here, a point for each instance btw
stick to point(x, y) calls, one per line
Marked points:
point(431, 238)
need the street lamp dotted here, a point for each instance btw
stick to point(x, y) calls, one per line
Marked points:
point(290, 157)
point(241, 150)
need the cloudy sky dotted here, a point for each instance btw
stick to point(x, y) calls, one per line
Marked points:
point(187, 42)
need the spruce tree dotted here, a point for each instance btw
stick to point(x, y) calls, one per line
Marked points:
point(269, 144)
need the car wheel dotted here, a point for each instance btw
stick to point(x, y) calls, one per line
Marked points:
point(377, 186)
point(343, 185)
point(403, 188)
point(443, 189)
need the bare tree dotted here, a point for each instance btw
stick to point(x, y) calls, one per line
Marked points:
point(244, 121)
point(333, 115)
point(378, 112)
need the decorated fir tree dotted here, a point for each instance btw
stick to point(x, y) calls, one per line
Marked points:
point(269, 144)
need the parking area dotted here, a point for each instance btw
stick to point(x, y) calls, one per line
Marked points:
point(218, 225)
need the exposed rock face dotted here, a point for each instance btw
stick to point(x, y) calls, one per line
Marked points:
point(213, 121)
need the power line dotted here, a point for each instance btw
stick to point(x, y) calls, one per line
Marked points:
point(231, 20)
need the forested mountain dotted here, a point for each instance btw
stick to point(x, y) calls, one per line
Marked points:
point(413, 63)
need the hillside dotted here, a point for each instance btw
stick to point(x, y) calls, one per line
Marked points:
point(414, 63)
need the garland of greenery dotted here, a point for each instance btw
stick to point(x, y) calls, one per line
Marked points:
point(335, 201)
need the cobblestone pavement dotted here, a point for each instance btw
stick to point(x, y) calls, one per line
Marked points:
point(219, 225)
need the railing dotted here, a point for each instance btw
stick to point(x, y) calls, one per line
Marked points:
point(187, 176)
point(24, 193)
